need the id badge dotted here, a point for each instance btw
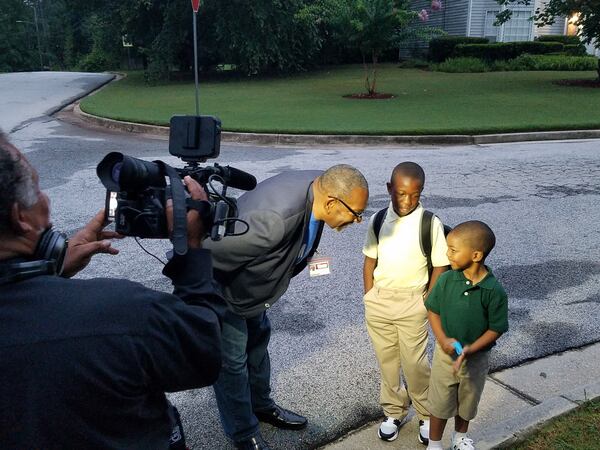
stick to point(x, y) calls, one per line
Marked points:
point(319, 266)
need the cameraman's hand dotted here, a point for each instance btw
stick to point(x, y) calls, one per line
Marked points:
point(87, 242)
point(195, 227)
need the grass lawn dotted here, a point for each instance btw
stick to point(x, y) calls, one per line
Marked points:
point(579, 430)
point(424, 102)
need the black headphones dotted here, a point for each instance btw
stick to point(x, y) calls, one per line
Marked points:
point(48, 259)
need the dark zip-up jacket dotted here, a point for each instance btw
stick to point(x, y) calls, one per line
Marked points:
point(84, 364)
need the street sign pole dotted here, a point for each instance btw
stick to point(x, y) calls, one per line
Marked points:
point(195, 6)
point(37, 33)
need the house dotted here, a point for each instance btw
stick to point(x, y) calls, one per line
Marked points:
point(476, 18)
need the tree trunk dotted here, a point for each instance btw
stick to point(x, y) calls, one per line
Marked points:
point(598, 70)
point(374, 83)
point(366, 68)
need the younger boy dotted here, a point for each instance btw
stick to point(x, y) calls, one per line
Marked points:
point(396, 277)
point(467, 306)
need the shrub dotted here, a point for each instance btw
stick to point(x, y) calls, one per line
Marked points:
point(96, 61)
point(520, 63)
point(551, 62)
point(575, 50)
point(506, 50)
point(413, 63)
point(461, 65)
point(573, 45)
point(441, 48)
point(566, 40)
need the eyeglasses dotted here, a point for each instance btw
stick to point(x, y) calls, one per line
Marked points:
point(356, 215)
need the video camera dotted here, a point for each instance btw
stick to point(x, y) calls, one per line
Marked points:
point(137, 191)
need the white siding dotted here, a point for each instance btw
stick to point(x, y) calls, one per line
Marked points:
point(479, 9)
point(452, 19)
point(558, 27)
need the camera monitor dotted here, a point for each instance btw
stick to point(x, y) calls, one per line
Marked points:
point(195, 138)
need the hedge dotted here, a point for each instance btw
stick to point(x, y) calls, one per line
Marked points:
point(567, 40)
point(461, 65)
point(522, 62)
point(506, 50)
point(441, 48)
point(575, 50)
point(551, 62)
point(573, 45)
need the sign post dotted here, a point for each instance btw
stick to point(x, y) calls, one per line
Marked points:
point(195, 7)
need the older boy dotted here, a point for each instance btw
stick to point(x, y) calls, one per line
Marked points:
point(396, 277)
point(468, 312)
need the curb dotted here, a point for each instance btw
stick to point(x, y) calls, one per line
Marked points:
point(309, 139)
point(516, 429)
point(77, 97)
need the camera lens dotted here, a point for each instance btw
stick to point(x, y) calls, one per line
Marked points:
point(119, 172)
point(137, 174)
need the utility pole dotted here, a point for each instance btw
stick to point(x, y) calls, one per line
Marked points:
point(37, 33)
point(195, 6)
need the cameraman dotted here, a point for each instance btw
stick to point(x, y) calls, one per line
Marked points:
point(86, 363)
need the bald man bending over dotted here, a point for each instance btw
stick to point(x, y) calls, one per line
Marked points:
point(286, 215)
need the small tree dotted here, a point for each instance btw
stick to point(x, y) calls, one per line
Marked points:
point(374, 26)
point(585, 14)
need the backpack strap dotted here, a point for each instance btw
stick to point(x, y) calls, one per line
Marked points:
point(378, 222)
point(425, 241)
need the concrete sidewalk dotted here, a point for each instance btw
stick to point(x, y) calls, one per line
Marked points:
point(515, 402)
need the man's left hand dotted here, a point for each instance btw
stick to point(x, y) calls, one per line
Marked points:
point(87, 242)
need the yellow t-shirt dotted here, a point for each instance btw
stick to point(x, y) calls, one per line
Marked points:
point(400, 261)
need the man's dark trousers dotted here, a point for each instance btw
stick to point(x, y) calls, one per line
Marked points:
point(244, 384)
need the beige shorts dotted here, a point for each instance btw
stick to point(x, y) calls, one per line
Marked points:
point(453, 394)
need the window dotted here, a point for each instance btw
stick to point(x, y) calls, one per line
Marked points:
point(490, 31)
point(519, 27)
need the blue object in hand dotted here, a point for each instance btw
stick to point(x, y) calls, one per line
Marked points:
point(457, 348)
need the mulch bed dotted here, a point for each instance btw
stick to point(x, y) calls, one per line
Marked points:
point(376, 96)
point(581, 83)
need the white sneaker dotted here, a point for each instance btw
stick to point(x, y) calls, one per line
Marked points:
point(463, 444)
point(388, 430)
point(424, 432)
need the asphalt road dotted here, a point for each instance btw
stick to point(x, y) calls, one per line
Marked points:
point(30, 95)
point(541, 199)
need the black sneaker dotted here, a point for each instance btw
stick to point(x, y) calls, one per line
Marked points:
point(388, 430)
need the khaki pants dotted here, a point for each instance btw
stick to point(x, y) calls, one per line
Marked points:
point(452, 394)
point(397, 324)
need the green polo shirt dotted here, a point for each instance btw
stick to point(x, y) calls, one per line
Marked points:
point(468, 311)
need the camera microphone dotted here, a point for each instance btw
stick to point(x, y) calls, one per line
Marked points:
point(240, 179)
point(236, 178)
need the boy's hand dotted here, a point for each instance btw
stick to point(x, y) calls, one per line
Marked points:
point(460, 359)
point(448, 346)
